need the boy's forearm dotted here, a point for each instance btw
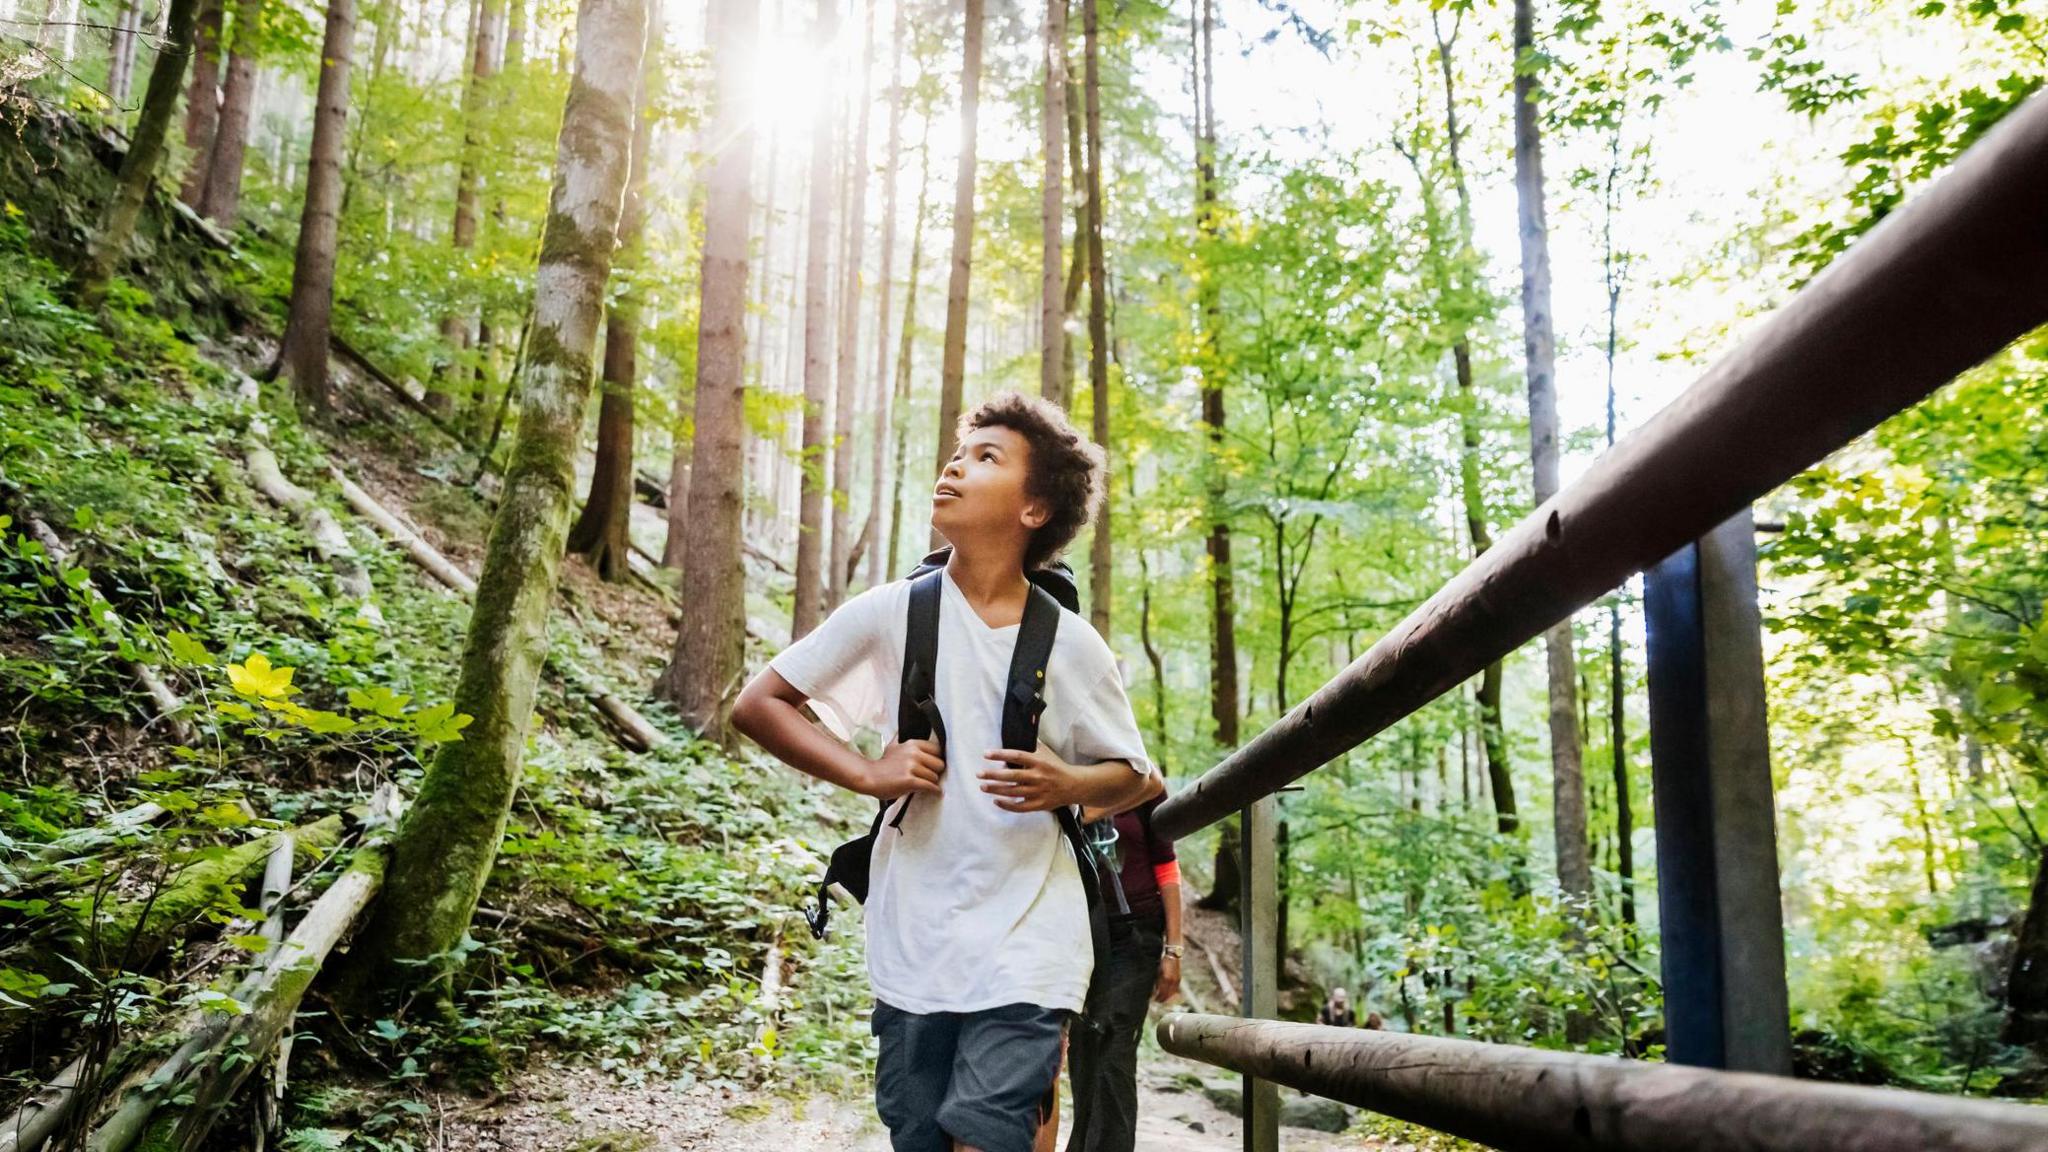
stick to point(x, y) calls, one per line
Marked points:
point(778, 727)
point(1111, 785)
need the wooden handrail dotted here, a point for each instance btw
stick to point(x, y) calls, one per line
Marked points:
point(1948, 280)
point(1519, 1099)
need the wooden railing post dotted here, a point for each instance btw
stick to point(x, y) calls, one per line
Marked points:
point(1259, 922)
point(1717, 863)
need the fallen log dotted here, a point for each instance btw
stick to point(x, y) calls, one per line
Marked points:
point(167, 704)
point(422, 553)
point(44, 1111)
point(205, 1072)
point(277, 880)
point(329, 541)
point(634, 731)
point(131, 932)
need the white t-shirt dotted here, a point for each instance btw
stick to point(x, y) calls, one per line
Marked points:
point(969, 906)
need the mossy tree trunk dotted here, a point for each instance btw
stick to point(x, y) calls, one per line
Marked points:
point(145, 151)
point(222, 197)
point(953, 356)
point(449, 840)
point(710, 645)
point(302, 354)
point(601, 532)
point(810, 532)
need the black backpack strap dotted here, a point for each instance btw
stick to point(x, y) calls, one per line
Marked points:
point(1024, 697)
point(917, 710)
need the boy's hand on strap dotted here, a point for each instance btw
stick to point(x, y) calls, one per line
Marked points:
point(911, 766)
point(1040, 781)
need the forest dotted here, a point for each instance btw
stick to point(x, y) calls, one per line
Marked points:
point(419, 418)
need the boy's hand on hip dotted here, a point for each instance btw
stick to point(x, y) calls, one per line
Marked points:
point(901, 769)
point(1033, 781)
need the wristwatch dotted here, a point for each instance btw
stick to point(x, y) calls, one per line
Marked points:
point(1174, 950)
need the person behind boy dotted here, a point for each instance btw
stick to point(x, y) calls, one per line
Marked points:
point(978, 939)
point(1143, 965)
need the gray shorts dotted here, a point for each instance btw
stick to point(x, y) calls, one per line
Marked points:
point(977, 1077)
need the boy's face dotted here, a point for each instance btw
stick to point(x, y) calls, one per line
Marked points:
point(981, 493)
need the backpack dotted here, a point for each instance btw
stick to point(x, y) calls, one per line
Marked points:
point(917, 718)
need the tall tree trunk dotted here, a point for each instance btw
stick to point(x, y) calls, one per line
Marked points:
point(810, 532)
point(202, 101)
point(121, 54)
point(1052, 317)
point(302, 353)
point(515, 35)
point(710, 646)
point(1224, 706)
point(2026, 996)
point(880, 563)
point(1098, 317)
point(222, 199)
point(1539, 345)
point(601, 531)
point(145, 153)
point(454, 374)
point(838, 573)
point(1223, 689)
point(1492, 728)
point(1617, 681)
point(907, 341)
point(953, 361)
point(445, 848)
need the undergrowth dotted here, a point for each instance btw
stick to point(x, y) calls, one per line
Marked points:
point(635, 898)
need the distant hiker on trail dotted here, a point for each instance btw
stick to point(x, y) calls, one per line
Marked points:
point(1143, 965)
point(1337, 1011)
point(1008, 714)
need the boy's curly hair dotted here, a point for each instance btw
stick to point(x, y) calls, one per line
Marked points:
point(1066, 468)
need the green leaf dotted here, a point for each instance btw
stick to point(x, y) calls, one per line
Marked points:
point(186, 650)
point(441, 723)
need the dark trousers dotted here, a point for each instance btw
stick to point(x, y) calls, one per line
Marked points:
point(1102, 1048)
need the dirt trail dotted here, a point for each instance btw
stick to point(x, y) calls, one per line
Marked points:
point(584, 1110)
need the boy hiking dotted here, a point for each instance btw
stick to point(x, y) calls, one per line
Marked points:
point(978, 918)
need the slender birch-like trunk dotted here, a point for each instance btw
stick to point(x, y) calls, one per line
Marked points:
point(449, 840)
